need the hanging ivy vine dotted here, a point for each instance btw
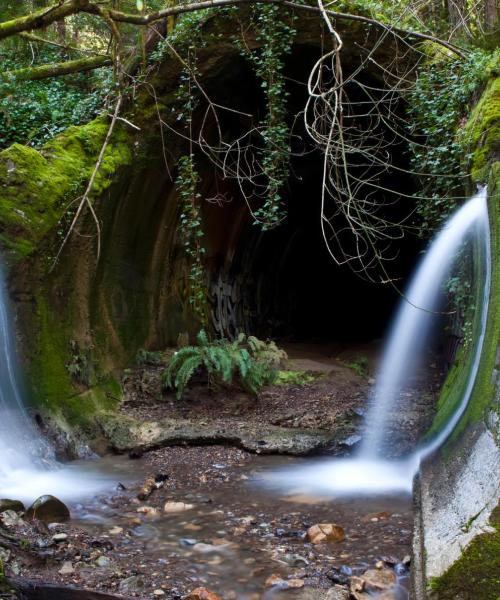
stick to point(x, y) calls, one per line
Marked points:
point(190, 226)
point(275, 37)
point(191, 233)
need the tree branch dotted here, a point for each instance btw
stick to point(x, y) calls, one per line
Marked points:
point(47, 16)
point(40, 40)
point(42, 18)
point(56, 69)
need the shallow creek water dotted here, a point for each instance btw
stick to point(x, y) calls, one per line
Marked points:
point(236, 534)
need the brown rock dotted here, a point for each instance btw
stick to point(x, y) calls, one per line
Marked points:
point(379, 580)
point(374, 517)
point(48, 509)
point(202, 593)
point(325, 532)
point(175, 507)
point(274, 579)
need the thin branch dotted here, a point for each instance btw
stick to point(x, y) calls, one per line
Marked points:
point(85, 199)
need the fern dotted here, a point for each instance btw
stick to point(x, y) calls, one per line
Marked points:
point(252, 362)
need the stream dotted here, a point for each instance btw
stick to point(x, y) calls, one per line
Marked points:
point(233, 536)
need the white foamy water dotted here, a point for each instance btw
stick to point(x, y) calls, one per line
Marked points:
point(369, 472)
point(27, 466)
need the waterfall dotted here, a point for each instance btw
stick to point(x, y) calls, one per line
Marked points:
point(369, 471)
point(416, 315)
point(21, 445)
point(27, 467)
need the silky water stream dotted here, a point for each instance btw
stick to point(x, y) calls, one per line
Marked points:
point(247, 514)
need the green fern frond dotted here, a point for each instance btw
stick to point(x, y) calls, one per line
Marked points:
point(185, 373)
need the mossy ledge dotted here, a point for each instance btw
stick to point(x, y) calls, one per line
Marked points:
point(38, 187)
point(476, 575)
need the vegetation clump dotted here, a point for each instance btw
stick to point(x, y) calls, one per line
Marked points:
point(475, 576)
point(251, 362)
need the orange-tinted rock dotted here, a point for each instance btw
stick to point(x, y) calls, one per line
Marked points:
point(202, 593)
point(325, 532)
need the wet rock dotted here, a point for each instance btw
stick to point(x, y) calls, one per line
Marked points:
point(325, 532)
point(176, 507)
point(66, 569)
point(187, 542)
point(10, 518)
point(379, 580)
point(377, 516)
point(151, 484)
point(132, 585)
point(59, 537)
point(295, 560)
point(202, 593)
point(103, 561)
point(116, 530)
point(5, 555)
point(15, 505)
point(390, 560)
point(276, 580)
point(338, 576)
point(149, 511)
point(158, 593)
point(48, 509)
point(406, 560)
point(372, 582)
point(337, 592)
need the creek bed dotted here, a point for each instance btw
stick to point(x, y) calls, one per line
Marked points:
point(231, 537)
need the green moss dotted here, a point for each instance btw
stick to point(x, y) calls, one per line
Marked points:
point(482, 131)
point(476, 575)
point(296, 377)
point(482, 400)
point(36, 187)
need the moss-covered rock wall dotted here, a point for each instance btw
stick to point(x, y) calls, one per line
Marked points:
point(455, 532)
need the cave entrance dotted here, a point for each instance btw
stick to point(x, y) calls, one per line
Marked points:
point(283, 283)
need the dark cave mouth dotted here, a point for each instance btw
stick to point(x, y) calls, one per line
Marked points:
point(283, 283)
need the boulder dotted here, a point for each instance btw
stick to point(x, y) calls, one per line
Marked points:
point(325, 532)
point(15, 505)
point(48, 509)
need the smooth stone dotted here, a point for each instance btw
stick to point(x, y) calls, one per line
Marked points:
point(66, 569)
point(60, 537)
point(325, 532)
point(103, 561)
point(15, 505)
point(174, 507)
point(295, 560)
point(132, 585)
point(202, 593)
point(10, 518)
point(48, 509)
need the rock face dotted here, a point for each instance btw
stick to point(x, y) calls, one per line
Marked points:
point(458, 487)
point(48, 509)
point(127, 434)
